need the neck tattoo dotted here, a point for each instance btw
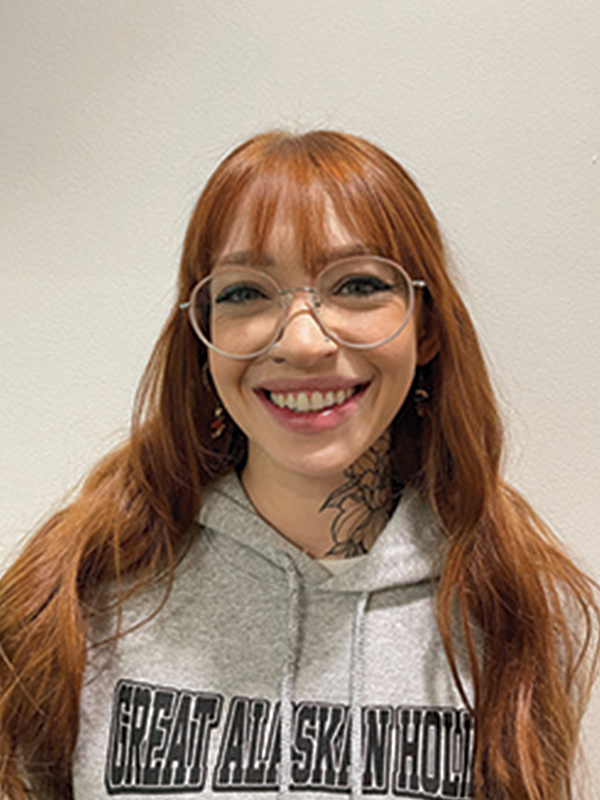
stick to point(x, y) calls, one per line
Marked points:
point(362, 504)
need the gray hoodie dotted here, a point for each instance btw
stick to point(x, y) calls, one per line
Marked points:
point(265, 673)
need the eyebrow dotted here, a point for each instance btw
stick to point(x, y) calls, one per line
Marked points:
point(343, 251)
point(244, 258)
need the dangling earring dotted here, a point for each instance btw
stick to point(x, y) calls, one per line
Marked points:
point(219, 423)
point(421, 396)
point(219, 420)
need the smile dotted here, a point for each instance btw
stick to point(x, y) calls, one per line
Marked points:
point(305, 402)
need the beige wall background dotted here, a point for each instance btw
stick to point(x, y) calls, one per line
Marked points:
point(114, 113)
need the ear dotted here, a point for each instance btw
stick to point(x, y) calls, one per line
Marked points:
point(428, 343)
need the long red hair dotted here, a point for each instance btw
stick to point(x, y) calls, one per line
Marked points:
point(528, 615)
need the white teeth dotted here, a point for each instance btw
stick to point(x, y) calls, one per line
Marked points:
point(310, 401)
point(316, 401)
point(302, 403)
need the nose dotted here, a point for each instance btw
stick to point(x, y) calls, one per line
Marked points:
point(303, 340)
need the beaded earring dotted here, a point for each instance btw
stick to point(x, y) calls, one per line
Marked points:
point(421, 396)
point(219, 420)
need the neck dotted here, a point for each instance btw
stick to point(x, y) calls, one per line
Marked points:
point(337, 517)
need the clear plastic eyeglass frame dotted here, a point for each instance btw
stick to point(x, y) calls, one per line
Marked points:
point(314, 302)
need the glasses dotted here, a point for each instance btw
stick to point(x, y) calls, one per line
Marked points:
point(360, 302)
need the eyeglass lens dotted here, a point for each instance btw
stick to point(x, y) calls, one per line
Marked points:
point(361, 301)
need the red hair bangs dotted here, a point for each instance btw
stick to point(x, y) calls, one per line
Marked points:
point(301, 180)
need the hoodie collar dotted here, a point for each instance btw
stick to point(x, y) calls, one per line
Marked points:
point(410, 549)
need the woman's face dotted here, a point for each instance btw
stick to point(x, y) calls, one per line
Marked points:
point(303, 369)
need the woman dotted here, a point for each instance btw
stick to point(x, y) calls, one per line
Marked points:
point(303, 572)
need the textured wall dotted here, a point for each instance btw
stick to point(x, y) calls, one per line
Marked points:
point(114, 113)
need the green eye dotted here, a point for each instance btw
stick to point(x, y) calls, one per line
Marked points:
point(362, 286)
point(240, 294)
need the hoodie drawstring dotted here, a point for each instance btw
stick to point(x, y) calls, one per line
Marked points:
point(357, 663)
point(356, 684)
point(288, 679)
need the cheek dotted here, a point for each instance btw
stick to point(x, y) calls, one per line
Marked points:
point(398, 371)
point(398, 360)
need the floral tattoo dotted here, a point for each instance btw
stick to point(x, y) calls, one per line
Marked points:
point(362, 503)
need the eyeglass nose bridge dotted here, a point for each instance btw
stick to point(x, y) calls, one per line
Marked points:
point(314, 302)
point(314, 299)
